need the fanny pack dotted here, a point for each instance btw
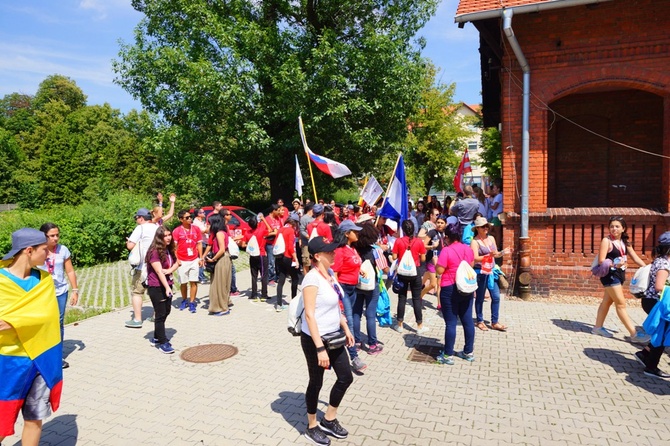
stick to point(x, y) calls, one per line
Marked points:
point(334, 340)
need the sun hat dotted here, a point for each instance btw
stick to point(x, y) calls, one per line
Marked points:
point(481, 221)
point(363, 218)
point(348, 225)
point(24, 238)
point(320, 244)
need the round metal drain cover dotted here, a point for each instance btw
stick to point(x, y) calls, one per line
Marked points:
point(208, 353)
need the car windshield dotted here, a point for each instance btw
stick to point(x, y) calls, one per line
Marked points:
point(245, 214)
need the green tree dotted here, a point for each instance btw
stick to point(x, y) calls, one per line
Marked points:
point(16, 113)
point(10, 158)
point(235, 76)
point(59, 88)
point(491, 154)
point(437, 138)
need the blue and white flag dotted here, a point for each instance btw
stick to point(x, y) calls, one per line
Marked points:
point(298, 178)
point(395, 204)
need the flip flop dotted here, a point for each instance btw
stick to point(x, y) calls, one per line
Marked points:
point(499, 327)
point(482, 326)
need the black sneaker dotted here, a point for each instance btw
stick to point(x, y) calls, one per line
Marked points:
point(316, 436)
point(333, 428)
point(658, 373)
point(641, 357)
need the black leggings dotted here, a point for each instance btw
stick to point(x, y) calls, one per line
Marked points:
point(284, 269)
point(339, 361)
point(415, 285)
point(162, 306)
point(259, 266)
point(654, 356)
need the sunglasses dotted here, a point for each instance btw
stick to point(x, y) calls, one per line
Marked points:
point(187, 217)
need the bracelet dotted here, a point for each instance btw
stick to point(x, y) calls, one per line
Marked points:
point(75, 290)
point(320, 349)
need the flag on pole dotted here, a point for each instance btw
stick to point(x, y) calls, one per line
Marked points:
point(463, 168)
point(395, 204)
point(325, 165)
point(298, 178)
point(371, 191)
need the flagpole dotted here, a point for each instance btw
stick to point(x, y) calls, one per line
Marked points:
point(360, 197)
point(309, 162)
point(386, 194)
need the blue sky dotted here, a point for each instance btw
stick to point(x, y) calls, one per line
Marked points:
point(79, 38)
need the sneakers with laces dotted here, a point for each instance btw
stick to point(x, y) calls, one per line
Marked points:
point(422, 330)
point(192, 307)
point(333, 428)
point(166, 348)
point(445, 359)
point(358, 365)
point(375, 349)
point(602, 331)
point(317, 436)
point(183, 305)
point(133, 324)
point(657, 373)
point(639, 338)
point(467, 356)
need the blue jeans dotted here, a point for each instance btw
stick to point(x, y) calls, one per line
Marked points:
point(62, 303)
point(348, 302)
point(233, 282)
point(201, 272)
point(369, 298)
point(272, 272)
point(482, 282)
point(457, 306)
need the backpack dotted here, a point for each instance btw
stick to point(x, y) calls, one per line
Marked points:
point(466, 277)
point(295, 310)
point(252, 247)
point(233, 249)
point(640, 281)
point(366, 283)
point(135, 256)
point(314, 233)
point(279, 246)
point(406, 266)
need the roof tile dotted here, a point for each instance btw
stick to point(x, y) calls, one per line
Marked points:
point(470, 6)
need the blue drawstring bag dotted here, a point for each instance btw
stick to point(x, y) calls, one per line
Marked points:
point(383, 306)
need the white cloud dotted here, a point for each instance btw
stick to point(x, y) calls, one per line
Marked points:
point(96, 6)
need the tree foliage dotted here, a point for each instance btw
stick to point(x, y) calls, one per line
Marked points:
point(59, 88)
point(491, 154)
point(231, 78)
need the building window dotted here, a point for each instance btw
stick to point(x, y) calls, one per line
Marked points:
point(472, 146)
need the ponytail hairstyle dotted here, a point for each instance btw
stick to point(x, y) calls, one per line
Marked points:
point(408, 228)
point(624, 234)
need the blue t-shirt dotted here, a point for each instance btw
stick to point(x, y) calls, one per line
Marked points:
point(26, 284)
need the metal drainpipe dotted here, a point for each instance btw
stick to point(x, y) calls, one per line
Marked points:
point(524, 252)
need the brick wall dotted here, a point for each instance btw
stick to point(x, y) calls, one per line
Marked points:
point(587, 61)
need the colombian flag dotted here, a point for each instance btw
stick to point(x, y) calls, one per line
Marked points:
point(32, 346)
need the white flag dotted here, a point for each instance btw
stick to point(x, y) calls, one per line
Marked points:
point(372, 191)
point(298, 178)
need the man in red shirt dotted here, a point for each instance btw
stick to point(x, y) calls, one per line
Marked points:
point(258, 264)
point(188, 238)
point(322, 229)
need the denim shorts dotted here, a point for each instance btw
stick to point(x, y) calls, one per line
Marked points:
point(612, 279)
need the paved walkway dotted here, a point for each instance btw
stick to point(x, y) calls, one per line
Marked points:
point(547, 381)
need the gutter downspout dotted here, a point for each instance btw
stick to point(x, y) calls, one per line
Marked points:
point(524, 241)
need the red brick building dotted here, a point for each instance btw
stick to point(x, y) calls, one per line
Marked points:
point(598, 139)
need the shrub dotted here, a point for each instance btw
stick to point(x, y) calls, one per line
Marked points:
point(95, 232)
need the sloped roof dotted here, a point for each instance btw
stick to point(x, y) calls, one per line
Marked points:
point(470, 6)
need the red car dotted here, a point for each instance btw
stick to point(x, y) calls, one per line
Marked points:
point(238, 224)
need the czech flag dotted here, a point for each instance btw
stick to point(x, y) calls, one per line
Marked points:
point(325, 165)
point(463, 168)
point(32, 346)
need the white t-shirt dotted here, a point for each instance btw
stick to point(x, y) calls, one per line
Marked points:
point(497, 199)
point(327, 311)
point(144, 234)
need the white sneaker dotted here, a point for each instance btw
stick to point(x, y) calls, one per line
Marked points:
point(423, 330)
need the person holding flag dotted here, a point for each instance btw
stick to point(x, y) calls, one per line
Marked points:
point(463, 168)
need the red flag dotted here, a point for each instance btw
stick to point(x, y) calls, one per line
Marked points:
point(463, 168)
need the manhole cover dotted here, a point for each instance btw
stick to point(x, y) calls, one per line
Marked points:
point(424, 353)
point(208, 353)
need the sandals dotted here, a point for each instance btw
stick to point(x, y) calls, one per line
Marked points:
point(499, 327)
point(482, 326)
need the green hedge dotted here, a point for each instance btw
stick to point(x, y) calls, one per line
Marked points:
point(95, 232)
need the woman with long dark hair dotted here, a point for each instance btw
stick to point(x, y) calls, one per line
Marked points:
point(415, 245)
point(59, 264)
point(616, 248)
point(219, 291)
point(161, 261)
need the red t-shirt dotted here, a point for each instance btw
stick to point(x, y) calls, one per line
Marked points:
point(289, 240)
point(187, 242)
point(260, 233)
point(214, 243)
point(417, 247)
point(275, 223)
point(322, 230)
point(347, 265)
